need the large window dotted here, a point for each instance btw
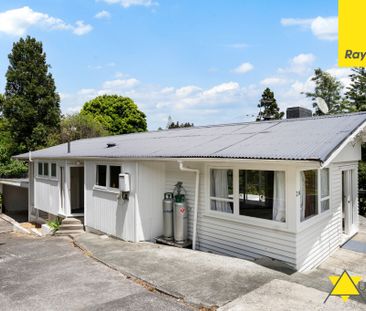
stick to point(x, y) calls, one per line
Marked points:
point(253, 193)
point(311, 185)
point(101, 175)
point(221, 192)
point(262, 194)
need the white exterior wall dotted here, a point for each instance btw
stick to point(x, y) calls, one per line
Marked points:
point(219, 234)
point(149, 210)
point(46, 194)
point(138, 219)
point(103, 210)
point(319, 237)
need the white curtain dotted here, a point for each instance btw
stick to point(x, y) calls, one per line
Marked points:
point(279, 207)
point(302, 195)
point(219, 186)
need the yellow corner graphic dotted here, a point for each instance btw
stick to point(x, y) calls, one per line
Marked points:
point(344, 286)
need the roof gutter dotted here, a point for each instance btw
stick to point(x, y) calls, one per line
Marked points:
point(195, 208)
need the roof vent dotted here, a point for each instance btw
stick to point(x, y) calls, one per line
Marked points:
point(110, 145)
point(298, 112)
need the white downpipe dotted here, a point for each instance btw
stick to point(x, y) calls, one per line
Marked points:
point(195, 208)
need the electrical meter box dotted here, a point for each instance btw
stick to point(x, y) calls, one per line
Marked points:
point(124, 182)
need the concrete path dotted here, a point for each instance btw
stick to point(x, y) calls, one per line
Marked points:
point(51, 274)
point(284, 295)
point(201, 279)
point(5, 226)
point(209, 280)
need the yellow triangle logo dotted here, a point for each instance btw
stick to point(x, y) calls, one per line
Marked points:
point(345, 285)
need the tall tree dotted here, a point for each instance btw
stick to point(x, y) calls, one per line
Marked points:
point(268, 108)
point(77, 126)
point(356, 92)
point(117, 114)
point(32, 105)
point(330, 89)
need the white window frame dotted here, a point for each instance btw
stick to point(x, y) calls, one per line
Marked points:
point(218, 198)
point(43, 176)
point(320, 199)
point(320, 189)
point(107, 187)
point(236, 217)
point(50, 170)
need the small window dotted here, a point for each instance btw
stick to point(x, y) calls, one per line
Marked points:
point(45, 169)
point(221, 190)
point(53, 169)
point(325, 191)
point(114, 172)
point(101, 175)
point(40, 168)
point(309, 194)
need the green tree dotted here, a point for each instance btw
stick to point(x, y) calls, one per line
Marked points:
point(330, 89)
point(31, 105)
point(77, 126)
point(117, 114)
point(268, 108)
point(356, 92)
point(176, 125)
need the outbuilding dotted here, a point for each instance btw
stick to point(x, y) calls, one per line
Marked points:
point(283, 189)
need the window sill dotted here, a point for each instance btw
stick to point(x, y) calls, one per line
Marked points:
point(252, 221)
point(106, 190)
point(47, 178)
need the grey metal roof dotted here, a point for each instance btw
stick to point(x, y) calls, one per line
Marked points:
point(292, 139)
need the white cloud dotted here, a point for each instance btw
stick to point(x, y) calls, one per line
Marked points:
point(324, 28)
point(222, 88)
point(187, 90)
point(17, 22)
point(243, 68)
point(224, 102)
point(81, 28)
point(342, 74)
point(129, 3)
point(103, 14)
point(300, 64)
point(119, 84)
point(274, 81)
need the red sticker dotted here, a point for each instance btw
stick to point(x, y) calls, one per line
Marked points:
point(182, 210)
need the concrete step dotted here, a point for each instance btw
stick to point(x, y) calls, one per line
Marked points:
point(71, 227)
point(69, 221)
point(68, 232)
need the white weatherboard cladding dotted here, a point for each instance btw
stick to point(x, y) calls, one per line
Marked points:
point(47, 195)
point(226, 236)
point(104, 211)
point(315, 243)
point(149, 211)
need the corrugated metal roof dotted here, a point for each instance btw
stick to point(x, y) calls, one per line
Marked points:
point(293, 139)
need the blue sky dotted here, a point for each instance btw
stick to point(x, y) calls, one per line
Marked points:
point(200, 61)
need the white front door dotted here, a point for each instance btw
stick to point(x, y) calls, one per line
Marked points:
point(348, 202)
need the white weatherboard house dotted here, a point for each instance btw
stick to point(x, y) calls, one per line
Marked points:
point(280, 189)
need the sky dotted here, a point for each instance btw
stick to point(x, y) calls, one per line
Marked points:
point(200, 61)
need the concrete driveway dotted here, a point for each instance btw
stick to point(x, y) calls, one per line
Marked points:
point(208, 280)
point(52, 274)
